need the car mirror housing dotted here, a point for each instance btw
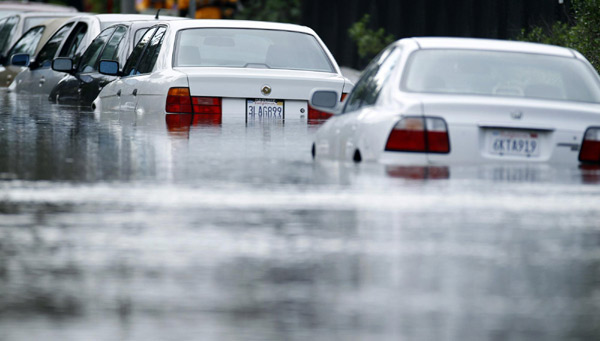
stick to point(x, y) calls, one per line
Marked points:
point(326, 100)
point(62, 65)
point(109, 67)
point(20, 60)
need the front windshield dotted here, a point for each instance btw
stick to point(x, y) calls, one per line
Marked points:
point(230, 47)
point(493, 73)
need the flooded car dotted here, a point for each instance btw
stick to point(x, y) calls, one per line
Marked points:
point(450, 100)
point(30, 43)
point(14, 26)
point(223, 69)
point(70, 41)
point(83, 81)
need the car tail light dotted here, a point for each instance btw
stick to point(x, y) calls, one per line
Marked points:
point(207, 105)
point(419, 134)
point(317, 115)
point(344, 95)
point(590, 147)
point(179, 101)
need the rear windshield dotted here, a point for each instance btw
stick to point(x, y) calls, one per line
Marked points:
point(494, 73)
point(252, 48)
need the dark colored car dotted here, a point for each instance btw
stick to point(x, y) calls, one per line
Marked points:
point(83, 82)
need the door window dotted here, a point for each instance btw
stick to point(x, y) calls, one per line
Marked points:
point(89, 57)
point(7, 30)
point(150, 55)
point(369, 85)
point(72, 43)
point(112, 48)
point(28, 42)
point(129, 68)
point(46, 54)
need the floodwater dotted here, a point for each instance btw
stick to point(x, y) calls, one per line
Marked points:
point(112, 228)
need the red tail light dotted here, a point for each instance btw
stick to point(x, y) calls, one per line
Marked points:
point(207, 105)
point(316, 116)
point(344, 95)
point(419, 134)
point(590, 147)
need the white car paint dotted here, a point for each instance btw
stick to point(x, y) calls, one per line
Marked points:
point(233, 84)
point(560, 124)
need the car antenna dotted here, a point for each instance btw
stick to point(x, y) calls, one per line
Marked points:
point(157, 13)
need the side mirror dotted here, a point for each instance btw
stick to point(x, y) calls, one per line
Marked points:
point(20, 60)
point(326, 100)
point(109, 67)
point(62, 65)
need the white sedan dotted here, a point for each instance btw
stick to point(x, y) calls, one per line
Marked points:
point(218, 70)
point(451, 100)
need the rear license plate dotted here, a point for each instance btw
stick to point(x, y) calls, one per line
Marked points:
point(264, 109)
point(513, 142)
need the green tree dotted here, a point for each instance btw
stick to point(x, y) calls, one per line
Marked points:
point(368, 41)
point(582, 35)
point(288, 11)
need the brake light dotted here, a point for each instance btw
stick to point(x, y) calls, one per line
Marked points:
point(207, 105)
point(344, 95)
point(179, 101)
point(590, 147)
point(317, 116)
point(419, 134)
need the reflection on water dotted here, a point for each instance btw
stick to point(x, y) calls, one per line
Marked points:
point(116, 227)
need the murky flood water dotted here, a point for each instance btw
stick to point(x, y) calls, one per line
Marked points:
point(116, 228)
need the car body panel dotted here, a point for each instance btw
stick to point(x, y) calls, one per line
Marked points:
point(472, 121)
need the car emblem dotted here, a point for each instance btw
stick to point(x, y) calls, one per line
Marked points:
point(517, 115)
point(266, 90)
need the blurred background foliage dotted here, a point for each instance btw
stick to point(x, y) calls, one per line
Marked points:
point(581, 32)
point(287, 11)
point(369, 41)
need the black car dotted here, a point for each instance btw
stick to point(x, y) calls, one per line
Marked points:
point(83, 82)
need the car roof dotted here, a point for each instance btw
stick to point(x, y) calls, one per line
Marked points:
point(44, 14)
point(491, 45)
point(132, 17)
point(34, 6)
point(251, 24)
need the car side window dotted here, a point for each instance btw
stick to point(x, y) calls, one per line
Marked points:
point(361, 93)
point(89, 57)
point(7, 28)
point(46, 54)
point(131, 63)
point(72, 43)
point(150, 55)
point(28, 42)
point(112, 48)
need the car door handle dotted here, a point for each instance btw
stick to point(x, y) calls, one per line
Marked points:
point(134, 92)
point(42, 80)
point(119, 93)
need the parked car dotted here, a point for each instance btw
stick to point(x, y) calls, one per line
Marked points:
point(11, 7)
point(69, 41)
point(81, 85)
point(225, 69)
point(451, 100)
point(30, 43)
point(12, 27)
